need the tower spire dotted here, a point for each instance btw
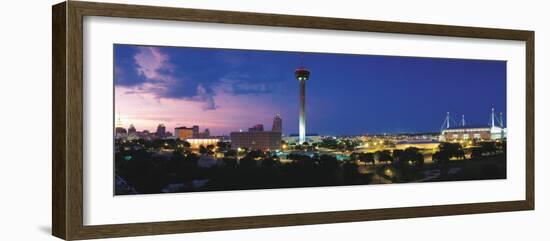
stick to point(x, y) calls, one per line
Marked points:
point(501, 127)
point(463, 121)
point(448, 120)
point(493, 117)
point(119, 122)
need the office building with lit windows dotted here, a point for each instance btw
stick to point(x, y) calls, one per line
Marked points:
point(258, 139)
point(183, 132)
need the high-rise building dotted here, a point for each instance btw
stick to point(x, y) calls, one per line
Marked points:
point(256, 140)
point(131, 129)
point(277, 124)
point(257, 127)
point(120, 132)
point(206, 133)
point(183, 132)
point(161, 131)
point(196, 131)
point(302, 75)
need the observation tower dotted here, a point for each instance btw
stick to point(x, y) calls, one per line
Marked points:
point(302, 75)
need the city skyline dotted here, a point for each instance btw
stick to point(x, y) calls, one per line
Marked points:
point(229, 90)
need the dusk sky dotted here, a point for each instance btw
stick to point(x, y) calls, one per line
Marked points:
point(227, 90)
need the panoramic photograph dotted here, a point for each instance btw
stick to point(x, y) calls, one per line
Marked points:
point(190, 119)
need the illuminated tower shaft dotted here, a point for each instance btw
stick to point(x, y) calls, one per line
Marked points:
point(302, 111)
point(302, 75)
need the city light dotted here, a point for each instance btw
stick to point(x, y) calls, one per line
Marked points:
point(388, 172)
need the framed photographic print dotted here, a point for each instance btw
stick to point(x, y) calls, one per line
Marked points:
point(170, 120)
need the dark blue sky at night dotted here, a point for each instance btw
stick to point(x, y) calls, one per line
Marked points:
point(346, 94)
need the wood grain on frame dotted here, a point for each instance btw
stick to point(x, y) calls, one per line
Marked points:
point(58, 121)
point(67, 119)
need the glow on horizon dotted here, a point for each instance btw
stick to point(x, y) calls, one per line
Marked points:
point(173, 113)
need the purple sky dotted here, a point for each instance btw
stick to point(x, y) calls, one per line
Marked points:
point(227, 90)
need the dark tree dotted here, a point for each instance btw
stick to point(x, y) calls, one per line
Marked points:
point(452, 150)
point(223, 146)
point(247, 162)
point(270, 162)
point(203, 150)
point(350, 172)
point(186, 144)
point(383, 156)
point(231, 153)
point(368, 158)
point(488, 147)
point(477, 153)
point(411, 157)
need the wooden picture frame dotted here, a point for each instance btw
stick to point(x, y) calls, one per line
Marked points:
point(67, 100)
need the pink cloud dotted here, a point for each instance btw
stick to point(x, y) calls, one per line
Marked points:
point(151, 62)
point(158, 71)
